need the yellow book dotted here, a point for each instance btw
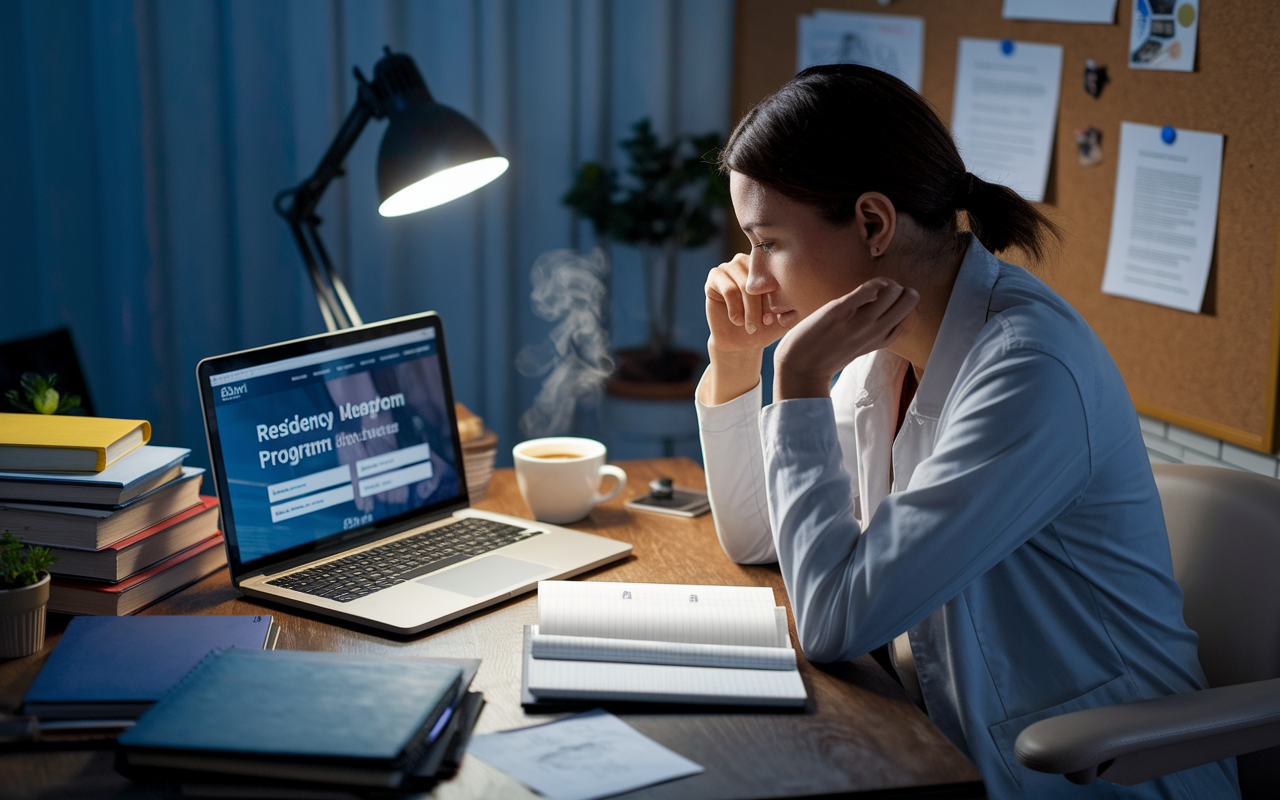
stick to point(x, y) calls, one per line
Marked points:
point(49, 443)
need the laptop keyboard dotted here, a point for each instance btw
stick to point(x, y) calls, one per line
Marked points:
point(377, 568)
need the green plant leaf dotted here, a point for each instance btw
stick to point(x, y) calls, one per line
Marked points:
point(46, 402)
point(68, 403)
point(22, 566)
point(18, 401)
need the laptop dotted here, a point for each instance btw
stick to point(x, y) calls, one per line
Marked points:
point(340, 477)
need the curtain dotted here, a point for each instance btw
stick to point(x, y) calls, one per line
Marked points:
point(144, 140)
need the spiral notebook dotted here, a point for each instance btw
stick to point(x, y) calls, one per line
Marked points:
point(666, 643)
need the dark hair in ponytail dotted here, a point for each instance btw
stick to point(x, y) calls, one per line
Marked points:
point(833, 132)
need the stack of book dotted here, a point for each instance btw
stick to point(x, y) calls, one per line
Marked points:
point(479, 450)
point(254, 723)
point(127, 529)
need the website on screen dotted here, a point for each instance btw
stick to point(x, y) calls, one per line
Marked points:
point(324, 443)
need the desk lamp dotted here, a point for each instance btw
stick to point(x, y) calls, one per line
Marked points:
point(430, 154)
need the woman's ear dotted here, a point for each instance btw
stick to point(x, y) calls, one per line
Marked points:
point(877, 220)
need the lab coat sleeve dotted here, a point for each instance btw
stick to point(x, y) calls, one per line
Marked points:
point(735, 477)
point(1012, 455)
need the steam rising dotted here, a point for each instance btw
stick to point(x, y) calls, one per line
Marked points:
point(575, 358)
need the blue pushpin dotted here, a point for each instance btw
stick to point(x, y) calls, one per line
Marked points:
point(1168, 134)
point(1006, 47)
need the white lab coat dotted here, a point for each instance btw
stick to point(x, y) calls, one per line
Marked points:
point(1021, 543)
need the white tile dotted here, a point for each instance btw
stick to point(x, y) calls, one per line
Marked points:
point(1192, 457)
point(1205, 445)
point(1156, 458)
point(1152, 425)
point(1249, 459)
point(1163, 446)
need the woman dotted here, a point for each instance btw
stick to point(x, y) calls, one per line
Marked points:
point(975, 478)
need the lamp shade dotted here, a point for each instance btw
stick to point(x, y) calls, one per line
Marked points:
point(431, 154)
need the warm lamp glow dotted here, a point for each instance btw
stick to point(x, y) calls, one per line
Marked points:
point(443, 186)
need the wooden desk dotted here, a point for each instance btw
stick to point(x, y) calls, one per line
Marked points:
point(859, 732)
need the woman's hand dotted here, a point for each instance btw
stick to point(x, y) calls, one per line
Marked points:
point(867, 319)
point(742, 326)
point(740, 322)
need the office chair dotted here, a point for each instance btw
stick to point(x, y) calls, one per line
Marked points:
point(1224, 532)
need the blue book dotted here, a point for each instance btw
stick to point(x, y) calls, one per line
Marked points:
point(139, 472)
point(95, 527)
point(117, 667)
point(340, 718)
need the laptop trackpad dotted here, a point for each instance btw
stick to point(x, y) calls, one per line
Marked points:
point(486, 576)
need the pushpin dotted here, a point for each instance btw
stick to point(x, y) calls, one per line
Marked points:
point(1006, 47)
point(1168, 134)
point(1095, 77)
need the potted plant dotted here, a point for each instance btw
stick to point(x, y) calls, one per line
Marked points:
point(24, 595)
point(674, 199)
point(39, 397)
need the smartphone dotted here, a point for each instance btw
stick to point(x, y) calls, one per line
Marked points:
point(683, 502)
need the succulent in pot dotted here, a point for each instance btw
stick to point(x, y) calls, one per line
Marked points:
point(24, 596)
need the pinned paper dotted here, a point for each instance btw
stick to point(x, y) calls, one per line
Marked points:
point(1163, 35)
point(887, 42)
point(1165, 216)
point(1005, 108)
point(1099, 11)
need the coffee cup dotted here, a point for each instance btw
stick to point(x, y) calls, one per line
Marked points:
point(560, 477)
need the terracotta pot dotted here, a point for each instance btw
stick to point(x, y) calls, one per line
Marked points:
point(22, 613)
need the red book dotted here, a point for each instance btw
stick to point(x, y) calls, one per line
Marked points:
point(130, 595)
point(144, 549)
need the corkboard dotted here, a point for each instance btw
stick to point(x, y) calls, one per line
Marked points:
point(1215, 372)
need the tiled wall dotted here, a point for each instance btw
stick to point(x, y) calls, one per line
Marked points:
point(1169, 444)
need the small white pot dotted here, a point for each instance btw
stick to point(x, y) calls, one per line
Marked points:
point(22, 619)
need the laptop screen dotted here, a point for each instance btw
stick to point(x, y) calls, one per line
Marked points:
point(326, 444)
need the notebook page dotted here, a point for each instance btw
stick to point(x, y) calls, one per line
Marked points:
point(596, 680)
point(704, 623)
point(655, 592)
point(635, 651)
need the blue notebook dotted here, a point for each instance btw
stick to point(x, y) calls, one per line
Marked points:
point(338, 717)
point(117, 667)
point(132, 476)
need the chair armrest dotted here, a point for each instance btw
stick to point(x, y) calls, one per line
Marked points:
point(1135, 742)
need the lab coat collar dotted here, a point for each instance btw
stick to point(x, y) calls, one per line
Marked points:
point(963, 320)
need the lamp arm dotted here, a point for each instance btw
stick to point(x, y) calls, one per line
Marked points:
point(330, 308)
point(331, 294)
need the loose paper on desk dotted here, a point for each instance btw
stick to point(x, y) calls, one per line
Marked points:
point(583, 757)
point(1165, 215)
point(1100, 11)
point(1163, 34)
point(1005, 108)
point(888, 42)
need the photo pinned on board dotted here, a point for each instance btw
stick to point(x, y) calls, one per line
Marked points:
point(1089, 140)
point(1163, 35)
